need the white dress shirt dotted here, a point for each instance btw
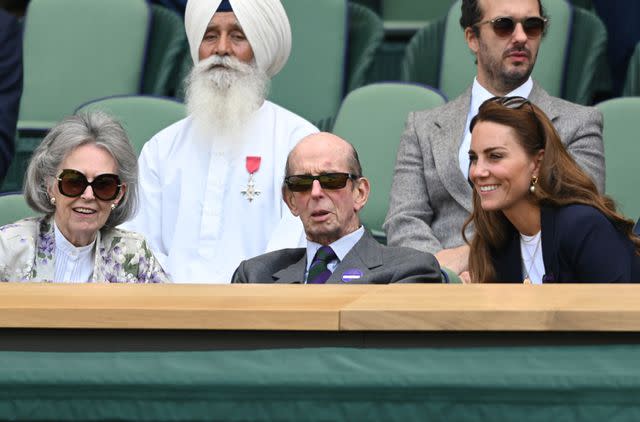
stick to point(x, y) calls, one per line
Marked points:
point(74, 264)
point(478, 96)
point(192, 209)
point(341, 247)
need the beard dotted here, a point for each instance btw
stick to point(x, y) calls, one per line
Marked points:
point(221, 95)
point(506, 78)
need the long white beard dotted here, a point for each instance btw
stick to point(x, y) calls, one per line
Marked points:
point(222, 93)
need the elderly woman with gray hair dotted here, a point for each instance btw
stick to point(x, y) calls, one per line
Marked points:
point(83, 177)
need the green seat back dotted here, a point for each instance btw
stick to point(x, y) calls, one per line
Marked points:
point(365, 36)
point(167, 44)
point(312, 82)
point(372, 118)
point(13, 208)
point(632, 81)
point(457, 67)
point(587, 66)
point(141, 116)
point(621, 152)
point(414, 10)
point(75, 51)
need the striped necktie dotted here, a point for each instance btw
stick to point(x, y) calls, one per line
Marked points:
point(318, 271)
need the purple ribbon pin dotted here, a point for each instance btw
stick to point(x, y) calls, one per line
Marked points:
point(351, 274)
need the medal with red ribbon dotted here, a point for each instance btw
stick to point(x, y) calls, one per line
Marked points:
point(252, 165)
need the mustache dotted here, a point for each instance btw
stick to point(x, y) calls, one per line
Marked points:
point(215, 63)
point(518, 49)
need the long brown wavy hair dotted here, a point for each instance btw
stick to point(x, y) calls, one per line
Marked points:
point(560, 182)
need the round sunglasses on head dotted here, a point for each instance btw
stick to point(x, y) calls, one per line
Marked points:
point(72, 183)
point(304, 182)
point(504, 26)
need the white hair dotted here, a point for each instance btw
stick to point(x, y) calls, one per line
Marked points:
point(222, 93)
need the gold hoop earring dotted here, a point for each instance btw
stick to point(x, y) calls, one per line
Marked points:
point(532, 185)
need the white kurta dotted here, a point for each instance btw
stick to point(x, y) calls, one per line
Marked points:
point(192, 212)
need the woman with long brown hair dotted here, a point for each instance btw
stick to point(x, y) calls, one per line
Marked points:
point(537, 216)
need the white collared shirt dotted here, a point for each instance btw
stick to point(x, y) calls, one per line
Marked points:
point(341, 247)
point(478, 96)
point(73, 264)
point(192, 210)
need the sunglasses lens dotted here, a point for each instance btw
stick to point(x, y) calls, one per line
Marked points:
point(333, 180)
point(533, 27)
point(299, 183)
point(503, 27)
point(72, 183)
point(106, 187)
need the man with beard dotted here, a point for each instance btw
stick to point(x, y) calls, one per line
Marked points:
point(210, 184)
point(431, 195)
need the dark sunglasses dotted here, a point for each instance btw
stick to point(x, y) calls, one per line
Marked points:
point(504, 26)
point(304, 182)
point(72, 183)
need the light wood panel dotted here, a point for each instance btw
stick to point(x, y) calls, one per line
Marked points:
point(499, 307)
point(401, 307)
point(226, 307)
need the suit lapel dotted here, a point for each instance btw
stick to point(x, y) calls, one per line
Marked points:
point(549, 246)
point(543, 100)
point(293, 273)
point(365, 255)
point(447, 138)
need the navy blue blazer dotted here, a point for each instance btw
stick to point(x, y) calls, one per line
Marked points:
point(10, 86)
point(579, 244)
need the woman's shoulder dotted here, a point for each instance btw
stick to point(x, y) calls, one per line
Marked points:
point(26, 226)
point(579, 213)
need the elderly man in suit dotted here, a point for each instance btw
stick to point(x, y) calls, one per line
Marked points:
point(324, 186)
point(431, 195)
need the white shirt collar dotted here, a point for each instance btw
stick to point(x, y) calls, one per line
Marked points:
point(479, 94)
point(341, 246)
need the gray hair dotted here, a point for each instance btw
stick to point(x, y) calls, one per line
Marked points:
point(88, 128)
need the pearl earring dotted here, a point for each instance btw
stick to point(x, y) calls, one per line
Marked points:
point(532, 186)
point(52, 200)
point(113, 206)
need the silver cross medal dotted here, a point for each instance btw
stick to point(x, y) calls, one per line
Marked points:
point(250, 192)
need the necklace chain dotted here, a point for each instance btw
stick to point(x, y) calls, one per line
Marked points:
point(532, 258)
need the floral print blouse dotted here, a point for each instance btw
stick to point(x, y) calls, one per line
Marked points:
point(27, 253)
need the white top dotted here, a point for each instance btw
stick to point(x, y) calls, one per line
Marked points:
point(73, 264)
point(192, 210)
point(478, 96)
point(531, 253)
point(341, 247)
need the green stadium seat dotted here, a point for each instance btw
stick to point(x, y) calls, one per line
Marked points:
point(312, 83)
point(372, 118)
point(167, 46)
point(632, 81)
point(414, 10)
point(75, 51)
point(141, 116)
point(621, 152)
point(365, 36)
point(13, 208)
point(571, 59)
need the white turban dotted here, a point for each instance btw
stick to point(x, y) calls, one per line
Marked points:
point(264, 22)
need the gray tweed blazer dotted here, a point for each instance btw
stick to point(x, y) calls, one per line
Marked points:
point(377, 264)
point(430, 198)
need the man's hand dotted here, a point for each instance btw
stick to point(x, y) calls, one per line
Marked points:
point(455, 259)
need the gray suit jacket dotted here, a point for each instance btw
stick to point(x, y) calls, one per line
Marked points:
point(430, 198)
point(378, 264)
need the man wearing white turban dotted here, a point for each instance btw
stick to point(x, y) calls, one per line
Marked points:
point(210, 183)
